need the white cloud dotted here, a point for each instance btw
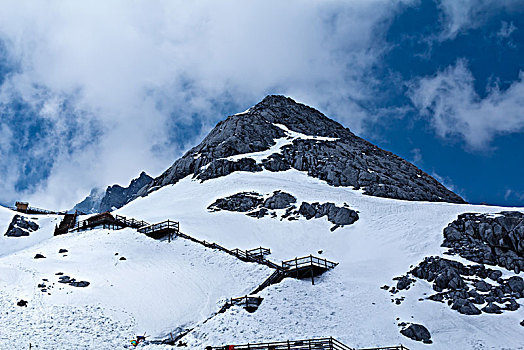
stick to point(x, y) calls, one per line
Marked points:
point(115, 74)
point(449, 100)
point(417, 156)
point(462, 15)
point(512, 194)
point(506, 29)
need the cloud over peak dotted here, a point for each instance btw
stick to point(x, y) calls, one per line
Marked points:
point(455, 109)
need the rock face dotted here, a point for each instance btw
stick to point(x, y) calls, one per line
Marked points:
point(495, 239)
point(90, 204)
point(21, 226)
point(113, 197)
point(254, 205)
point(417, 332)
point(466, 288)
point(315, 144)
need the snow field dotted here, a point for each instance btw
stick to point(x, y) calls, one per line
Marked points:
point(346, 303)
point(163, 287)
point(159, 287)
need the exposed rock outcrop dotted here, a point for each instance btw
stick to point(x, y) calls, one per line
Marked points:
point(494, 239)
point(254, 205)
point(21, 226)
point(338, 215)
point(241, 202)
point(324, 149)
point(417, 332)
point(467, 288)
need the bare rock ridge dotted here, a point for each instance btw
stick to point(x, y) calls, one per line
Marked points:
point(311, 142)
point(113, 197)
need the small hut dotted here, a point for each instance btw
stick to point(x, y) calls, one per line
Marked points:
point(22, 206)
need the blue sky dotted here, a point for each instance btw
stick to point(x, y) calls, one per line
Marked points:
point(92, 94)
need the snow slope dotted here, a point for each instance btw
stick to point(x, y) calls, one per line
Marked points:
point(347, 303)
point(159, 285)
point(162, 287)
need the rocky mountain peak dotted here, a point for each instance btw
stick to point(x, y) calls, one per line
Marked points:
point(279, 134)
point(296, 116)
point(113, 197)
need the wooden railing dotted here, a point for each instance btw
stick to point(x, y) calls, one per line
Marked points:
point(246, 301)
point(399, 347)
point(297, 263)
point(306, 344)
point(36, 211)
point(91, 223)
point(258, 252)
point(130, 222)
point(164, 225)
point(107, 219)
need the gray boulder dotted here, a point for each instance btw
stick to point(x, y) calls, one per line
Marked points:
point(417, 332)
point(467, 308)
point(21, 226)
point(240, 202)
point(482, 286)
point(80, 284)
point(279, 200)
point(339, 216)
point(65, 279)
point(516, 284)
point(492, 308)
point(404, 282)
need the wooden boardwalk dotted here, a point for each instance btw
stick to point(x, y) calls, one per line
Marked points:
point(248, 302)
point(307, 267)
point(167, 228)
point(108, 221)
point(316, 344)
point(304, 344)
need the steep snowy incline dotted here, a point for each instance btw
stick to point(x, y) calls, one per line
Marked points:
point(346, 303)
point(158, 288)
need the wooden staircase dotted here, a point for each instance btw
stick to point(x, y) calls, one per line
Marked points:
point(274, 278)
point(67, 223)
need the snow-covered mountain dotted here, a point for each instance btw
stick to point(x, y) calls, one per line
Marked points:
point(304, 186)
point(280, 134)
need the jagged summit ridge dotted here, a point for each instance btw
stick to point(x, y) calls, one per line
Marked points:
point(113, 197)
point(279, 134)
